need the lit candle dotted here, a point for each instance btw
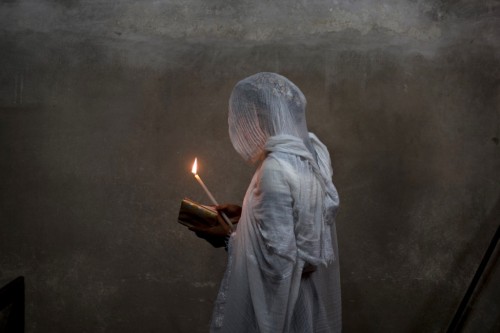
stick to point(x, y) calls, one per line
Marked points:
point(194, 170)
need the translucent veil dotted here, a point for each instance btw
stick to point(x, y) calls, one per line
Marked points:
point(261, 106)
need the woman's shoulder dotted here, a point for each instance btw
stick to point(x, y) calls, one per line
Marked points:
point(275, 160)
point(277, 165)
point(274, 175)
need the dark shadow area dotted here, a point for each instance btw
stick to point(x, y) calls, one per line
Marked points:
point(479, 309)
point(12, 306)
point(477, 241)
point(482, 273)
point(483, 312)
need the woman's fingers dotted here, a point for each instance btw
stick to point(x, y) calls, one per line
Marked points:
point(230, 209)
point(223, 224)
point(223, 207)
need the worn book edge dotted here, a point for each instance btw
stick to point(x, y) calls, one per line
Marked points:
point(193, 214)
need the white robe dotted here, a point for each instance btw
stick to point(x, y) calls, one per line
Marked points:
point(287, 223)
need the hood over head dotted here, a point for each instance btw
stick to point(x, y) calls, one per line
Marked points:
point(265, 105)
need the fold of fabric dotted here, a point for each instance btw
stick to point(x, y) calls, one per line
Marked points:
point(287, 223)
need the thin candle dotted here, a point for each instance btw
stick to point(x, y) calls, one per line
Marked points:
point(194, 170)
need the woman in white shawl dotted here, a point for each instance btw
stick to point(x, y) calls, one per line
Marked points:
point(283, 270)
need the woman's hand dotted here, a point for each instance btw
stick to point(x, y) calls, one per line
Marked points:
point(217, 234)
point(232, 211)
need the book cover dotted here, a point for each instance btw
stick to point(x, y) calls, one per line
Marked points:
point(193, 214)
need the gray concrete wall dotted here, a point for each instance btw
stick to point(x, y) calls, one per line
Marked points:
point(104, 105)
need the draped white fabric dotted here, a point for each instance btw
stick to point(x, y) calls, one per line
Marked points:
point(283, 270)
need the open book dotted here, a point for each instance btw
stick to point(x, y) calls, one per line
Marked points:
point(193, 214)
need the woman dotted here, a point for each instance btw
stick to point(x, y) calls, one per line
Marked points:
point(283, 270)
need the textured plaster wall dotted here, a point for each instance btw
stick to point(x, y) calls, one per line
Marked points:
point(104, 105)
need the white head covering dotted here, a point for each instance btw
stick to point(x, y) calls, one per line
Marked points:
point(265, 105)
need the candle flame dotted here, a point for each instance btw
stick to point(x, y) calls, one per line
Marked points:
point(195, 166)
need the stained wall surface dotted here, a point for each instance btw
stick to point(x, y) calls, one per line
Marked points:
point(105, 104)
